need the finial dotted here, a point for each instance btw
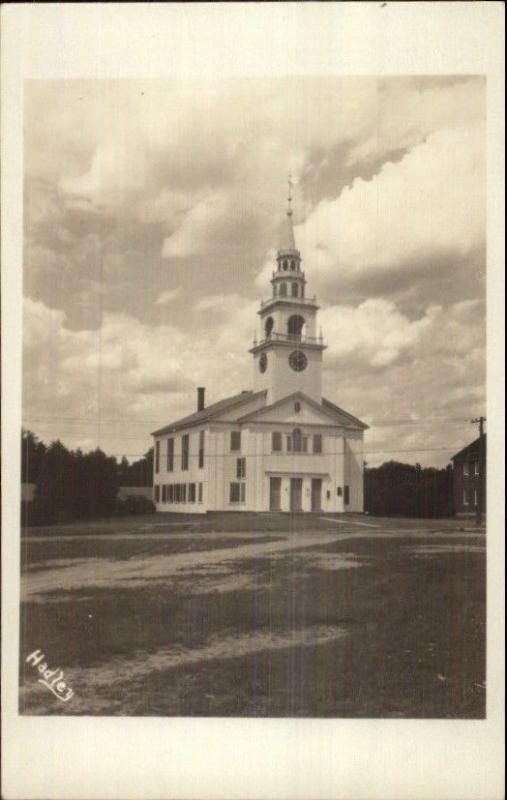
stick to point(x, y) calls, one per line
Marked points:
point(289, 209)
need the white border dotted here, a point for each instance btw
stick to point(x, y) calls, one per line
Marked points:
point(185, 758)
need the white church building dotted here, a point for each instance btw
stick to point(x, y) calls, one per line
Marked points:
point(280, 446)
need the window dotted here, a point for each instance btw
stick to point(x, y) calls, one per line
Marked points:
point(176, 493)
point(170, 455)
point(476, 469)
point(285, 264)
point(297, 440)
point(317, 443)
point(466, 469)
point(465, 497)
point(237, 492)
point(476, 498)
point(164, 491)
point(183, 492)
point(157, 493)
point(191, 492)
point(339, 491)
point(283, 290)
point(157, 456)
point(295, 325)
point(170, 494)
point(268, 327)
point(184, 451)
point(235, 440)
point(199, 493)
point(241, 468)
point(294, 289)
point(293, 265)
point(201, 449)
point(276, 442)
point(346, 497)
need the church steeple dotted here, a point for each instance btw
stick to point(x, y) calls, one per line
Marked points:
point(288, 280)
point(287, 241)
point(288, 356)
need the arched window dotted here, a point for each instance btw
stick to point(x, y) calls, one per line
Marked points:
point(295, 290)
point(285, 264)
point(293, 265)
point(296, 442)
point(283, 290)
point(295, 325)
point(268, 327)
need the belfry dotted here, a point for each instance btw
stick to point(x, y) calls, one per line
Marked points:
point(288, 356)
point(280, 447)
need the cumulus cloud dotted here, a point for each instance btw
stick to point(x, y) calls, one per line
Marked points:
point(168, 296)
point(150, 208)
point(430, 203)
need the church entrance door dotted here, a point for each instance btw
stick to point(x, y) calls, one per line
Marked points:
point(296, 494)
point(275, 493)
point(316, 494)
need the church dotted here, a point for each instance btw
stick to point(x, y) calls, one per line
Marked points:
point(280, 446)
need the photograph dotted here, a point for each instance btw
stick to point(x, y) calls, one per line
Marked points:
point(253, 426)
point(254, 435)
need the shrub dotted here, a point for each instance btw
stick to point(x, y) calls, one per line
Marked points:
point(134, 504)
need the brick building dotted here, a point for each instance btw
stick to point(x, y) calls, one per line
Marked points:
point(470, 478)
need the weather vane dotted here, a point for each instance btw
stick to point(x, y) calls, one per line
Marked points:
point(289, 211)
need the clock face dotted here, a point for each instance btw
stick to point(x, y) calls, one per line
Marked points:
point(263, 362)
point(298, 360)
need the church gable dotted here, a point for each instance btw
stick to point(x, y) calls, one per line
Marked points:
point(297, 409)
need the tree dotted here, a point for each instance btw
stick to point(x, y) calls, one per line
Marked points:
point(72, 485)
point(396, 489)
point(56, 487)
point(139, 473)
point(32, 455)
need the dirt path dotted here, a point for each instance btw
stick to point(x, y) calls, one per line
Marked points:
point(110, 572)
point(140, 570)
point(92, 685)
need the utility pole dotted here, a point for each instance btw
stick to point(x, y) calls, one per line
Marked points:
point(482, 462)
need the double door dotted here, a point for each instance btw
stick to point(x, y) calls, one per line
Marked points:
point(296, 494)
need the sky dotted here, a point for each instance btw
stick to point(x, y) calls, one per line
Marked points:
point(151, 219)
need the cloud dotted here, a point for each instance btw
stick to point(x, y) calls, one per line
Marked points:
point(150, 207)
point(429, 204)
point(198, 228)
point(123, 380)
point(376, 334)
point(167, 296)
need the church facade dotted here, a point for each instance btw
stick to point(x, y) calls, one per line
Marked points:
point(280, 446)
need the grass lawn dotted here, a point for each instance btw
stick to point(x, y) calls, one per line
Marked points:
point(257, 615)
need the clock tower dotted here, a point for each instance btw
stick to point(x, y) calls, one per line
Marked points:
point(288, 355)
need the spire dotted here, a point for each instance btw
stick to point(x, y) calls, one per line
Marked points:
point(287, 241)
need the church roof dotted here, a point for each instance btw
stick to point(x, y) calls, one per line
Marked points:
point(287, 241)
point(215, 409)
point(208, 412)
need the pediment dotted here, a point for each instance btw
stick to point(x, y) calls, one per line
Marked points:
point(296, 409)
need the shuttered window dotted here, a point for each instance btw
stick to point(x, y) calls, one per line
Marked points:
point(184, 451)
point(170, 455)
